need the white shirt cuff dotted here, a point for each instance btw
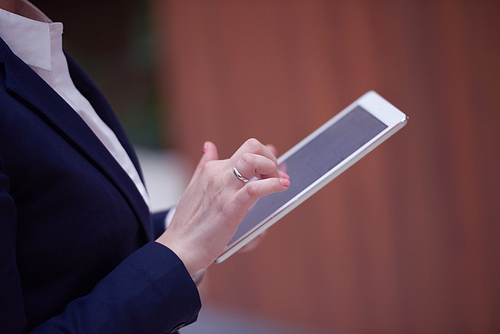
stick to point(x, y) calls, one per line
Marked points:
point(169, 216)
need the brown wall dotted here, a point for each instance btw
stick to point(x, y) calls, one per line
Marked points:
point(407, 240)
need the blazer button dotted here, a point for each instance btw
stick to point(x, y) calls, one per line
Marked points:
point(176, 328)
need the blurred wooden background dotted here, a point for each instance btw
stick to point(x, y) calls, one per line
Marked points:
point(407, 240)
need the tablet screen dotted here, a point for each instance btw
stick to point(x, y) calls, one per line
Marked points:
point(314, 160)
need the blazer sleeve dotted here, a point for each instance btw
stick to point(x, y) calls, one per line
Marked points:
point(149, 292)
point(12, 315)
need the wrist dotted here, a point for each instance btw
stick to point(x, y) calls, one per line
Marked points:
point(178, 250)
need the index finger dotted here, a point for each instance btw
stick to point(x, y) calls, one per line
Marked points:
point(252, 145)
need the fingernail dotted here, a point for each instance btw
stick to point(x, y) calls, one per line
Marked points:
point(284, 175)
point(205, 147)
point(285, 183)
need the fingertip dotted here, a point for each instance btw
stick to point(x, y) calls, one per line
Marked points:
point(285, 183)
point(210, 151)
point(284, 175)
point(272, 148)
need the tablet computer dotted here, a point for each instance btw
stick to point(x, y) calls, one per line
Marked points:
point(318, 159)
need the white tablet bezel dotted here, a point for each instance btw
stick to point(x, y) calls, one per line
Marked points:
point(372, 103)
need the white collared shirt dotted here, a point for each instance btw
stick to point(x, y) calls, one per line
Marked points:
point(37, 41)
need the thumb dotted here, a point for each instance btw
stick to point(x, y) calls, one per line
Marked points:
point(209, 154)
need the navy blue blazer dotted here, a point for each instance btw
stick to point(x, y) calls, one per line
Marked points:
point(76, 238)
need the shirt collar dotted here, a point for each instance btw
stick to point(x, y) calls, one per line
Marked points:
point(29, 38)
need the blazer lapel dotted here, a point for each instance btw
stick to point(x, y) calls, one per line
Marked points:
point(87, 88)
point(27, 86)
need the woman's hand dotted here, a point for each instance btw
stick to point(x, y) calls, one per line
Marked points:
point(216, 201)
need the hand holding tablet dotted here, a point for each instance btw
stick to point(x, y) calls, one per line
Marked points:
point(318, 159)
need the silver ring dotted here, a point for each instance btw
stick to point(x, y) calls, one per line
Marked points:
point(239, 176)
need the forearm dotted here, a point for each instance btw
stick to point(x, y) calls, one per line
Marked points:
point(150, 291)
